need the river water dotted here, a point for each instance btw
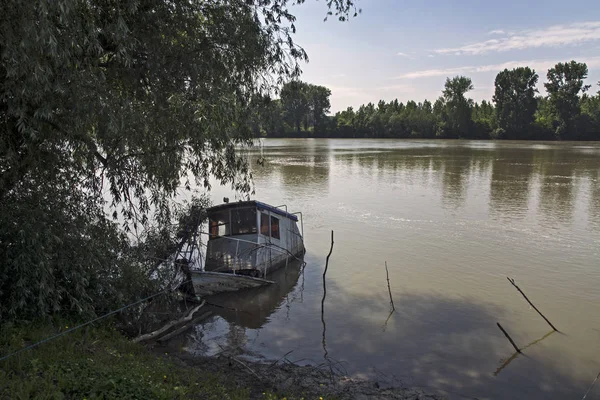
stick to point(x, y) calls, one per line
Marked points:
point(452, 219)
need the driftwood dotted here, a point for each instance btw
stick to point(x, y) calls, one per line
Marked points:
point(389, 288)
point(160, 332)
point(185, 327)
point(247, 367)
point(530, 303)
point(277, 361)
point(508, 337)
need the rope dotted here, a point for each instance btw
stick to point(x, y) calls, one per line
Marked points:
point(84, 324)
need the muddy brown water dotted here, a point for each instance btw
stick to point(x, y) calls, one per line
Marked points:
point(452, 219)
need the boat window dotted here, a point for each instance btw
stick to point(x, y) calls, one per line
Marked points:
point(243, 221)
point(275, 227)
point(264, 224)
point(219, 223)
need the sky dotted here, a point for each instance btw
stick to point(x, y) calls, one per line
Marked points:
point(405, 50)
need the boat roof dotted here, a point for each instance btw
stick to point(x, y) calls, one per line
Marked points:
point(256, 204)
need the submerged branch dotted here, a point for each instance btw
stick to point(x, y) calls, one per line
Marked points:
point(512, 281)
point(158, 333)
point(325, 355)
point(511, 358)
point(389, 288)
point(508, 337)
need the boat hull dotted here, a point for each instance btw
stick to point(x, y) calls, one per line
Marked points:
point(207, 283)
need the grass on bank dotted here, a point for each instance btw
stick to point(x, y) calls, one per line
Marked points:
point(98, 363)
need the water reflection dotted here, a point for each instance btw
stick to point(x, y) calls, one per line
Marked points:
point(510, 183)
point(290, 169)
point(594, 197)
point(456, 175)
point(510, 359)
point(558, 178)
point(252, 308)
point(452, 219)
point(447, 345)
point(516, 175)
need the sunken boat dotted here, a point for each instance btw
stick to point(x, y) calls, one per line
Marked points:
point(248, 240)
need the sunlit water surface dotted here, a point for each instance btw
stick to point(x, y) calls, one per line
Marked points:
point(452, 219)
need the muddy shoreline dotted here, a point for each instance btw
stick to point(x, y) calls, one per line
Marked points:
point(286, 379)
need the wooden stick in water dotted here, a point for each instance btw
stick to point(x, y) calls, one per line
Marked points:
point(508, 337)
point(530, 303)
point(164, 329)
point(326, 266)
point(389, 288)
point(325, 355)
point(185, 327)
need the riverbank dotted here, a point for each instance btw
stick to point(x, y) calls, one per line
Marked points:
point(282, 379)
point(101, 363)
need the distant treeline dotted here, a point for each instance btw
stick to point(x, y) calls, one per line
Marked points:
point(517, 111)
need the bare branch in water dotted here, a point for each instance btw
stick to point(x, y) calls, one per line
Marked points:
point(530, 303)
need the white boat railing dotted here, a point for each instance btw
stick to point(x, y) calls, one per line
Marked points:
point(236, 261)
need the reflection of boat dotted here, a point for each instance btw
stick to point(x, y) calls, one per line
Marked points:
point(251, 308)
point(247, 241)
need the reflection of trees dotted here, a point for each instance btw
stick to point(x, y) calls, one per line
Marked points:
point(556, 168)
point(512, 173)
point(594, 207)
point(456, 174)
point(450, 167)
point(312, 168)
point(293, 166)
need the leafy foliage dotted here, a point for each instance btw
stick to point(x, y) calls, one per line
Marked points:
point(517, 112)
point(295, 103)
point(98, 364)
point(300, 104)
point(515, 101)
point(458, 107)
point(126, 102)
point(565, 82)
point(61, 254)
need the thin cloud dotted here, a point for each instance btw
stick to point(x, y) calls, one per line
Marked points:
point(554, 36)
point(359, 92)
point(431, 56)
point(539, 65)
point(497, 32)
point(396, 88)
point(406, 55)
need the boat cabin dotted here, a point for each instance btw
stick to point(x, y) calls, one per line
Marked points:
point(252, 238)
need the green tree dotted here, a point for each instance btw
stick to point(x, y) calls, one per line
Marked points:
point(346, 122)
point(484, 119)
point(458, 107)
point(129, 98)
point(295, 103)
point(318, 104)
point(564, 86)
point(589, 124)
point(267, 116)
point(515, 101)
